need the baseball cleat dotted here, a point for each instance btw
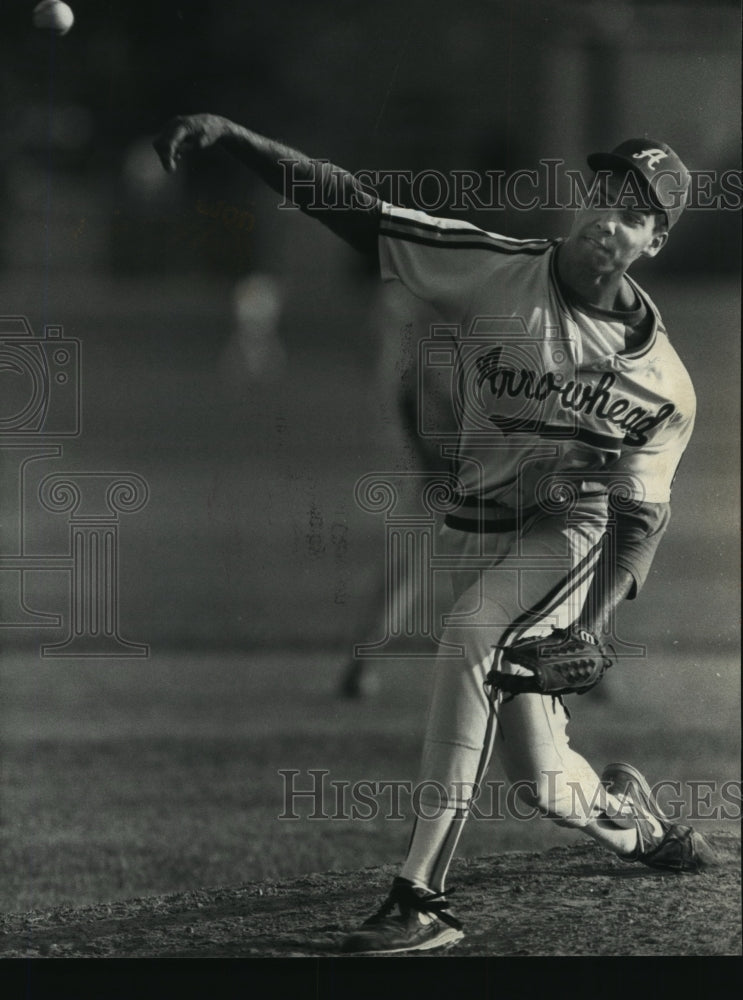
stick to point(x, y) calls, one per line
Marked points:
point(423, 922)
point(660, 843)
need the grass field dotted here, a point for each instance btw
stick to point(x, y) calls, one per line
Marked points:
point(123, 781)
point(248, 574)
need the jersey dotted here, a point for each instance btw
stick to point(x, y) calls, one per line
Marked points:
point(547, 398)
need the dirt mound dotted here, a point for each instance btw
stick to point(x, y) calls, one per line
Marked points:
point(565, 901)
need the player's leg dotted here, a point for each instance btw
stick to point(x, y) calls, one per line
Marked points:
point(494, 603)
point(396, 598)
point(359, 676)
point(618, 810)
point(533, 745)
point(545, 588)
point(457, 746)
point(534, 751)
point(358, 679)
point(458, 739)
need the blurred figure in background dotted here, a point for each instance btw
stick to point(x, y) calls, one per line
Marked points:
point(254, 348)
point(398, 383)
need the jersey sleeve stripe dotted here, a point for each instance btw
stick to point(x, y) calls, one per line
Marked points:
point(450, 227)
point(486, 242)
point(404, 223)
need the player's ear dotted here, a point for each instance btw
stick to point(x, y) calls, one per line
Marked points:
point(657, 241)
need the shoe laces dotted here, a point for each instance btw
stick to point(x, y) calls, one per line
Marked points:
point(407, 899)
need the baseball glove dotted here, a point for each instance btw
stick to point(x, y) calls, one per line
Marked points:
point(569, 661)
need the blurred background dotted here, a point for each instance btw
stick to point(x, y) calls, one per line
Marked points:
point(240, 360)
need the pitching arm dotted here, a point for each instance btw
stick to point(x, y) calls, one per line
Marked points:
point(318, 188)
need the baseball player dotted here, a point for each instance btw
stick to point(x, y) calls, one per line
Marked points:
point(574, 411)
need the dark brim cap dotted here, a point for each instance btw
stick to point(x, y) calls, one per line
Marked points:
point(663, 176)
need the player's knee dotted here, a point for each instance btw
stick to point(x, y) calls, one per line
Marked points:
point(526, 795)
point(553, 798)
point(537, 794)
point(571, 802)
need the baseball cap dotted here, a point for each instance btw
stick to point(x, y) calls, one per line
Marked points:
point(665, 178)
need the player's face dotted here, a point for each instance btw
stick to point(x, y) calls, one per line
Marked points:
point(610, 236)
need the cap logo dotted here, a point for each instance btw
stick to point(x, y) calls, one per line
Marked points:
point(654, 157)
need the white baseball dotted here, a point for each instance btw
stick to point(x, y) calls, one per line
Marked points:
point(54, 16)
